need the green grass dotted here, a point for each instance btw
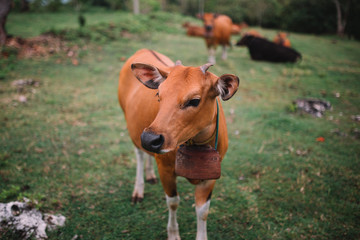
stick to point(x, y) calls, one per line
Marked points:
point(68, 147)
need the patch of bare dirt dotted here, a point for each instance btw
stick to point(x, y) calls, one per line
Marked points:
point(41, 46)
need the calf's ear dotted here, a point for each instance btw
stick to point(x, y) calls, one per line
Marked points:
point(227, 85)
point(148, 75)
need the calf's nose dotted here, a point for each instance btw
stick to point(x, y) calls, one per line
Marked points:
point(208, 28)
point(151, 141)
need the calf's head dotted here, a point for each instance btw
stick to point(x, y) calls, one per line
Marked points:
point(208, 19)
point(187, 105)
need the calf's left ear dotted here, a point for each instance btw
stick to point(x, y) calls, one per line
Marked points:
point(227, 85)
point(148, 75)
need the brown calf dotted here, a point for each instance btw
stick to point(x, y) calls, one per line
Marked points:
point(281, 39)
point(194, 31)
point(218, 30)
point(237, 28)
point(166, 105)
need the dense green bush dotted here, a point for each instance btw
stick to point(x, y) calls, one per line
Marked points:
point(293, 15)
point(310, 16)
point(352, 28)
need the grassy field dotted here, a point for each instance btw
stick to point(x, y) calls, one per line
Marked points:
point(67, 146)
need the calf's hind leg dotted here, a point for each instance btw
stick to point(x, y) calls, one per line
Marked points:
point(149, 170)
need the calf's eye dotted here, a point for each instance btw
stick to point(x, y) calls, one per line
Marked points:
point(192, 103)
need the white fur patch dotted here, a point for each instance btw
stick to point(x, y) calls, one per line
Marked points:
point(139, 182)
point(211, 58)
point(221, 87)
point(158, 78)
point(224, 53)
point(201, 214)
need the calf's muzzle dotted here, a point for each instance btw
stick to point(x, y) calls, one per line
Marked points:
point(208, 28)
point(152, 142)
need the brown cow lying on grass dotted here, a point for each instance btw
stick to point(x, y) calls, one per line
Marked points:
point(218, 30)
point(165, 106)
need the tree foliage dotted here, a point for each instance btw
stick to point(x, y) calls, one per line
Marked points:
point(307, 16)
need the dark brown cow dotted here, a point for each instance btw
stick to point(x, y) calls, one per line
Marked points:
point(253, 33)
point(261, 49)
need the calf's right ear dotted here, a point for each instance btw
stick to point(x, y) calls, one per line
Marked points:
point(148, 75)
point(227, 85)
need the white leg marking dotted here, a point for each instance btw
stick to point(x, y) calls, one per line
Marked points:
point(224, 53)
point(201, 214)
point(173, 227)
point(138, 193)
point(212, 56)
point(149, 169)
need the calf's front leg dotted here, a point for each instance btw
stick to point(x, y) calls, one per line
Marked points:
point(167, 175)
point(173, 227)
point(203, 193)
point(211, 58)
point(138, 193)
point(224, 52)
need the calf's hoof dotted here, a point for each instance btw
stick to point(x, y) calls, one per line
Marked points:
point(152, 180)
point(136, 199)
